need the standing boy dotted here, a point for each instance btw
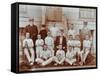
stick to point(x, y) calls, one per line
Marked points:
point(39, 45)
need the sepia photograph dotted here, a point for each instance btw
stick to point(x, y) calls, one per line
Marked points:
point(55, 37)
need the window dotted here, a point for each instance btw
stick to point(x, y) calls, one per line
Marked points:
point(85, 13)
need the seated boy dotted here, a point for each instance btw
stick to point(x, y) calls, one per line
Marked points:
point(28, 48)
point(60, 56)
point(70, 56)
point(46, 56)
point(86, 49)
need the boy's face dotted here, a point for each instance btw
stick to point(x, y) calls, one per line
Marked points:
point(27, 35)
point(86, 37)
point(31, 22)
point(61, 33)
point(54, 24)
point(60, 46)
point(71, 26)
point(70, 37)
point(77, 37)
point(85, 23)
point(39, 36)
point(49, 34)
point(70, 48)
point(45, 47)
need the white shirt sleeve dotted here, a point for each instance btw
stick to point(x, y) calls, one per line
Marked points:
point(36, 43)
point(63, 53)
point(46, 40)
point(42, 42)
point(67, 55)
point(32, 43)
point(24, 42)
point(50, 54)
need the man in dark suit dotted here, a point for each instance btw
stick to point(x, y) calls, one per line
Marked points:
point(32, 29)
point(43, 32)
point(61, 40)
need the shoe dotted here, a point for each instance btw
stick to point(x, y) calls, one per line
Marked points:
point(74, 64)
point(62, 63)
point(55, 64)
point(31, 63)
point(81, 63)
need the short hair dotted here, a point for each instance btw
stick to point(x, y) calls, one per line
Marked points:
point(43, 25)
point(44, 45)
point(62, 30)
point(85, 22)
point(31, 19)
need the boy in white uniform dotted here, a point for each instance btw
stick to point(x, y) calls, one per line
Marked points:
point(49, 41)
point(45, 56)
point(77, 44)
point(39, 45)
point(70, 56)
point(54, 31)
point(71, 30)
point(77, 48)
point(60, 56)
point(28, 47)
point(70, 41)
point(86, 49)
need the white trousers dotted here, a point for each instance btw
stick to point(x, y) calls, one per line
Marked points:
point(38, 51)
point(84, 55)
point(26, 52)
point(51, 47)
point(44, 62)
point(55, 59)
point(70, 61)
point(77, 50)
